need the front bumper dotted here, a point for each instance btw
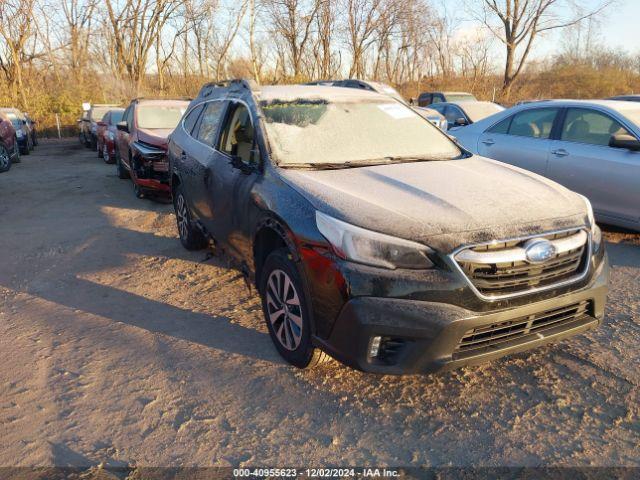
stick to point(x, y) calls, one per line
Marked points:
point(426, 334)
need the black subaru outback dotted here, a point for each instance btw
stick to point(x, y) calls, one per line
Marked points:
point(375, 238)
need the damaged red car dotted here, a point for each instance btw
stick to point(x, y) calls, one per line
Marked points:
point(141, 143)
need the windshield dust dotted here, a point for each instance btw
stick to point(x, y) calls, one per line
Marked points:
point(320, 132)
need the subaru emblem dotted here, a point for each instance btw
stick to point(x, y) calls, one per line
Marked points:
point(539, 250)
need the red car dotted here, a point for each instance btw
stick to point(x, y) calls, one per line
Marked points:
point(141, 143)
point(106, 135)
point(9, 148)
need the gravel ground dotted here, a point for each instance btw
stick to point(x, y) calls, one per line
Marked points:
point(119, 347)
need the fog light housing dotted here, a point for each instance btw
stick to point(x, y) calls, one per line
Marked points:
point(374, 346)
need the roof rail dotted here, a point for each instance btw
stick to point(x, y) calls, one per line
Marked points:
point(232, 84)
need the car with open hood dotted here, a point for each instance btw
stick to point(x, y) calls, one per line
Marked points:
point(141, 143)
point(373, 237)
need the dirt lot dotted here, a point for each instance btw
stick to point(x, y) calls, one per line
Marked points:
point(118, 346)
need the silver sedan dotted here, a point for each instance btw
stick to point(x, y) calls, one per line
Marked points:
point(591, 147)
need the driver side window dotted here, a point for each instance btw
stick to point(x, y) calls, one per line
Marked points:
point(238, 136)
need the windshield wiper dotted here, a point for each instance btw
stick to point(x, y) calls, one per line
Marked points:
point(363, 163)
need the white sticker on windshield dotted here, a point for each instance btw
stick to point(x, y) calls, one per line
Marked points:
point(396, 110)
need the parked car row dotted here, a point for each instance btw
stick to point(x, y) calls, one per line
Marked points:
point(18, 136)
point(135, 139)
point(378, 239)
point(25, 129)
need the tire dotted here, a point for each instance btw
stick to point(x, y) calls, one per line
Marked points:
point(120, 170)
point(16, 152)
point(100, 151)
point(24, 150)
point(105, 154)
point(191, 236)
point(5, 159)
point(34, 140)
point(286, 311)
point(137, 190)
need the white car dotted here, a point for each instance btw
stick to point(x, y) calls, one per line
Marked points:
point(591, 147)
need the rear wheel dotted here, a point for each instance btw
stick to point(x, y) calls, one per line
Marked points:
point(5, 159)
point(191, 236)
point(286, 311)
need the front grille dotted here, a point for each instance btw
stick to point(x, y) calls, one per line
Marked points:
point(512, 274)
point(481, 340)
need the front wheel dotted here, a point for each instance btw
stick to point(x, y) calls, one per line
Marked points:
point(286, 311)
point(120, 170)
point(191, 236)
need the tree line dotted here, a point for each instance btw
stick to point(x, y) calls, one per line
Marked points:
point(55, 54)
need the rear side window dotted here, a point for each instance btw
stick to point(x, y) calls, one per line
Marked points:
point(536, 123)
point(191, 118)
point(501, 127)
point(589, 126)
point(210, 122)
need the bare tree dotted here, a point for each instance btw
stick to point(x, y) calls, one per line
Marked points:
point(135, 24)
point(521, 22)
point(16, 28)
point(292, 23)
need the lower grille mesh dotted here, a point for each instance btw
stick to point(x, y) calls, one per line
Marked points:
point(492, 336)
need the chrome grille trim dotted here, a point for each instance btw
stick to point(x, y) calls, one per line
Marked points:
point(562, 265)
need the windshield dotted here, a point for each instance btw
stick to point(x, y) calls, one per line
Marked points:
point(478, 111)
point(15, 121)
point(98, 112)
point(633, 115)
point(460, 97)
point(155, 116)
point(116, 116)
point(318, 132)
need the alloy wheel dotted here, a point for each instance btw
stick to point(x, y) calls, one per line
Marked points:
point(284, 310)
point(4, 158)
point(183, 217)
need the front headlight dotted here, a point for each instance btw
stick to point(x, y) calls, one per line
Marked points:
point(372, 248)
point(111, 136)
point(596, 233)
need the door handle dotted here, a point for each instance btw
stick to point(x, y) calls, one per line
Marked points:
point(560, 152)
point(488, 142)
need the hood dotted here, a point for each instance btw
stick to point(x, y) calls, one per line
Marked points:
point(155, 136)
point(443, 204)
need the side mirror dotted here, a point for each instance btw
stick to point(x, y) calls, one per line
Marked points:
point(123, 126)
point(461, 122)
point(622, 140)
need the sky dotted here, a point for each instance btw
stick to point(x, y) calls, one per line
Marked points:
point(616, 28)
